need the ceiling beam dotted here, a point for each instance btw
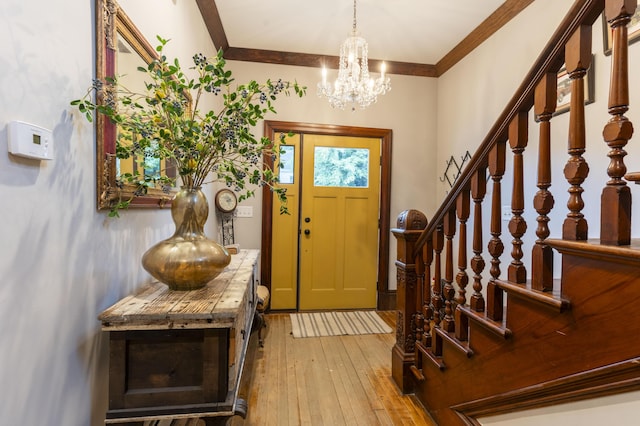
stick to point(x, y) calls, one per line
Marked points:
point(495, 21)
point(211, 17)
point(319, 61)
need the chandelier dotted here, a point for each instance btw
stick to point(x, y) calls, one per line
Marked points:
point(353, 85)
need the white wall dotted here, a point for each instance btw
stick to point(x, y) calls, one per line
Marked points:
point(61, 261)
point(472, 95)
point(619, 410)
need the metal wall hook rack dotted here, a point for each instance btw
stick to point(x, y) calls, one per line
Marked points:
point(453, 170)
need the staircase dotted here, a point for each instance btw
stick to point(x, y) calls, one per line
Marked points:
point(501, 335)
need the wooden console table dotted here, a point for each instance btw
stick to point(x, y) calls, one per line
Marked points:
point(179, 354)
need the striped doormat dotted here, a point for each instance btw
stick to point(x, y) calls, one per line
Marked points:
point(317, 324)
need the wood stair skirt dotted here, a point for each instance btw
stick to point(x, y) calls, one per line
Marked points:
point(554, 356)
point(481, 333)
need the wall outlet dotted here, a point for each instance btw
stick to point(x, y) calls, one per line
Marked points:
point(506, 213)
point(244, 211)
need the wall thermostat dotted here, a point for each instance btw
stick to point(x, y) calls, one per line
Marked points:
point(28, 140)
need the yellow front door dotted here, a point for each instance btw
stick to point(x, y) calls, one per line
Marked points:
point(325, 252)
point(285, 229)
point(339, 222)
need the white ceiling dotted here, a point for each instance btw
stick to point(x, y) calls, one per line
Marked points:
point(415, 31)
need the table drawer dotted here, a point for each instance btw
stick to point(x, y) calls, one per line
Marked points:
point(153, 369)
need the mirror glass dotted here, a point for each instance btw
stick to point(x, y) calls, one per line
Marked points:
point(121, 49)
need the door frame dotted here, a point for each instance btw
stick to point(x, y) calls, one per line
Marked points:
point(386, 299)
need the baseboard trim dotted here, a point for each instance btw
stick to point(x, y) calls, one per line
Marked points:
point(602, 381)
point(387, 300)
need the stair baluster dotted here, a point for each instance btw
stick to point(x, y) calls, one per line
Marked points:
point(438, 244)
point(577, 59)
point(448, 324)
point(478, 191)
point(495, 302)
point(427, 310)
point(419, 318)
point(542, 255)
point(462, 279)
point(615, 219)
point(518, 138)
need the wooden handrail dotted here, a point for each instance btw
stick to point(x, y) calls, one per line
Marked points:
point(583, 12)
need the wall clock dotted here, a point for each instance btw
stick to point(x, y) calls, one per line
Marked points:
point(226, 200)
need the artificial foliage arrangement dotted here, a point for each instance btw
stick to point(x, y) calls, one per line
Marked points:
point(165, 122)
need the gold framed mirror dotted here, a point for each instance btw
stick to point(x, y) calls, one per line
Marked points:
point(120, 50)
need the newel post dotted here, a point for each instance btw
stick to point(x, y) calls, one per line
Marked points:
point(410, 225)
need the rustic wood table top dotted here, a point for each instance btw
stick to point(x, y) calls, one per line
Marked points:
point(216, 305)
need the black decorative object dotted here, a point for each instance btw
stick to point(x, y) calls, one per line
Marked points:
point(454, 169)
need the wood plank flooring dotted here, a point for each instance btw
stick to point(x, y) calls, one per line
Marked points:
point(343, 380)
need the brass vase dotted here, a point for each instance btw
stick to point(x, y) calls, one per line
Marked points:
point(188, 260)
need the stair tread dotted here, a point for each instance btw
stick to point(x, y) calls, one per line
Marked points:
point(497, 327)
point(458, 344)
point(633, 177)
point(594, 248)
point(435, 359)
point(551, 299)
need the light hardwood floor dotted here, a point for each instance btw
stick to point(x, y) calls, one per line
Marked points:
point(344, 380)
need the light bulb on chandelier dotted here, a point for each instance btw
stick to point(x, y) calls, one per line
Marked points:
point(354, 85)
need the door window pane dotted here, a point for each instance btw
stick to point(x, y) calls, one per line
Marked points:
point(286, 166)
point(343, 167)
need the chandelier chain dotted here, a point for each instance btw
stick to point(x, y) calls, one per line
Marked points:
point(354, 17)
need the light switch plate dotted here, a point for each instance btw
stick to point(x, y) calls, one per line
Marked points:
point(506, 213)
point(244, 211)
